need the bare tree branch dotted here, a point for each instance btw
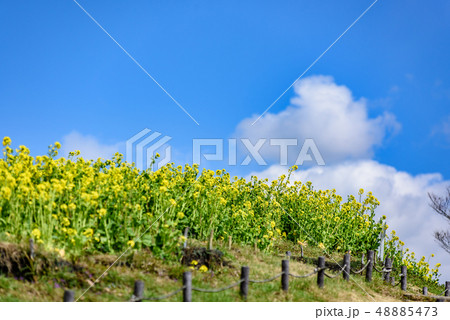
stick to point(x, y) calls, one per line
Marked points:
point(443, 238)
point(441, 205)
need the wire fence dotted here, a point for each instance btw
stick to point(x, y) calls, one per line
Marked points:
point(362, 269)
point(337, 274)
point(285, 275)
point(389, 278)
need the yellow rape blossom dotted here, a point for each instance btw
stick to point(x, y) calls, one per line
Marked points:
point(101, 212)
point(303, 243)
point(88, 232)
point(5, 193)
point(65, 221)
point(36, 233)
point(6, 141)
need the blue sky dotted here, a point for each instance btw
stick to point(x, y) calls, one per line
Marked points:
point(63, 79)
point(223, 61)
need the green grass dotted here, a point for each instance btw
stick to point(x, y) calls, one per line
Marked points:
point(164, 276)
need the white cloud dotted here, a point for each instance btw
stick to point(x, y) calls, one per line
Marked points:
point(443, 128)
point(403, 198)
point(90, 146)
point(327, 113)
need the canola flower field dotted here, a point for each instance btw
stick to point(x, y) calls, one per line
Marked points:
point(76, 207)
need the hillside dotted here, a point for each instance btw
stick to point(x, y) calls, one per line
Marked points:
point(81, 215)
point(163, 276)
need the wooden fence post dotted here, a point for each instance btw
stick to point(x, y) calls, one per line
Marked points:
point(187, 284)
point(387, 267)
point(425, 291)
point(347, 261)
point(403, 278)
point(245, 273)
point(32, 254)
point(447, 288)
point(138, 289)
point(362, 260)
point(371, 262)
point(229, 242)
point(285, 275)
point(69, 296)
point(288, 255)
point(185, 236)
point(210, 241)
point(301, 251)
point(321, 272)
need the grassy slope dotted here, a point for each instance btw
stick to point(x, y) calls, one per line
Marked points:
point(161, 277)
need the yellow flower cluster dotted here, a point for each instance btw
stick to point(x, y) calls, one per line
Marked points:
point(83, 206)
point(394, 248)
